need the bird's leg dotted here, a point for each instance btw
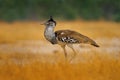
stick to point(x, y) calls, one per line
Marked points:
point(71, 46)
point(63, 46)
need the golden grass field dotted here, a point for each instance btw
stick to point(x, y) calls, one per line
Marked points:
point(26, 55)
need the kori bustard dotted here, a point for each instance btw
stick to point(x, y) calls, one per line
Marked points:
point(65, 37)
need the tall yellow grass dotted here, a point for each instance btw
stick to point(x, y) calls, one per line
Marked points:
point(31, 67)
point(98, 64)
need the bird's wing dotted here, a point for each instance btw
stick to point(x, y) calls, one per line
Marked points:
point(70, 36)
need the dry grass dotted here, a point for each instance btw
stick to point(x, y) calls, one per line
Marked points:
point(40, 67)
point(10, 32)
point(23, 57)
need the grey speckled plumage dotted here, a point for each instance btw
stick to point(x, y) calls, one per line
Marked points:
point(72, 37)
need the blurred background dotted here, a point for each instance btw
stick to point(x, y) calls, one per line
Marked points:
point(11, 10)
point(26, 55)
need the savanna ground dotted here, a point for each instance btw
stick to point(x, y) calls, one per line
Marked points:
point(26, 55)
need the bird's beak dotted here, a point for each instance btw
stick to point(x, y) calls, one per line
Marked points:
point(42, 23)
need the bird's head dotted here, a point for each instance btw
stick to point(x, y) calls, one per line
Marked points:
point(50, 22)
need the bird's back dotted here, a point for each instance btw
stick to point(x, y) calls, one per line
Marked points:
point(72, 37)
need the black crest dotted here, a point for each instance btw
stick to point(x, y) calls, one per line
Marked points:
point(51, 20)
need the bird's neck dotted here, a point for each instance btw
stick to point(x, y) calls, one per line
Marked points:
point(49, 34)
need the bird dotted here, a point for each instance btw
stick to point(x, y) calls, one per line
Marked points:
point(65, 37)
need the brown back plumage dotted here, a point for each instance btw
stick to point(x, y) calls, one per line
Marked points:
point(69, 36)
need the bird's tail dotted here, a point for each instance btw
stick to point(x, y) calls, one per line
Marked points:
point(95, 44)
point(87, 40)
point(90, 41)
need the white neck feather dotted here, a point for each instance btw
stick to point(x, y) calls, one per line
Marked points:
point(49, 33)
